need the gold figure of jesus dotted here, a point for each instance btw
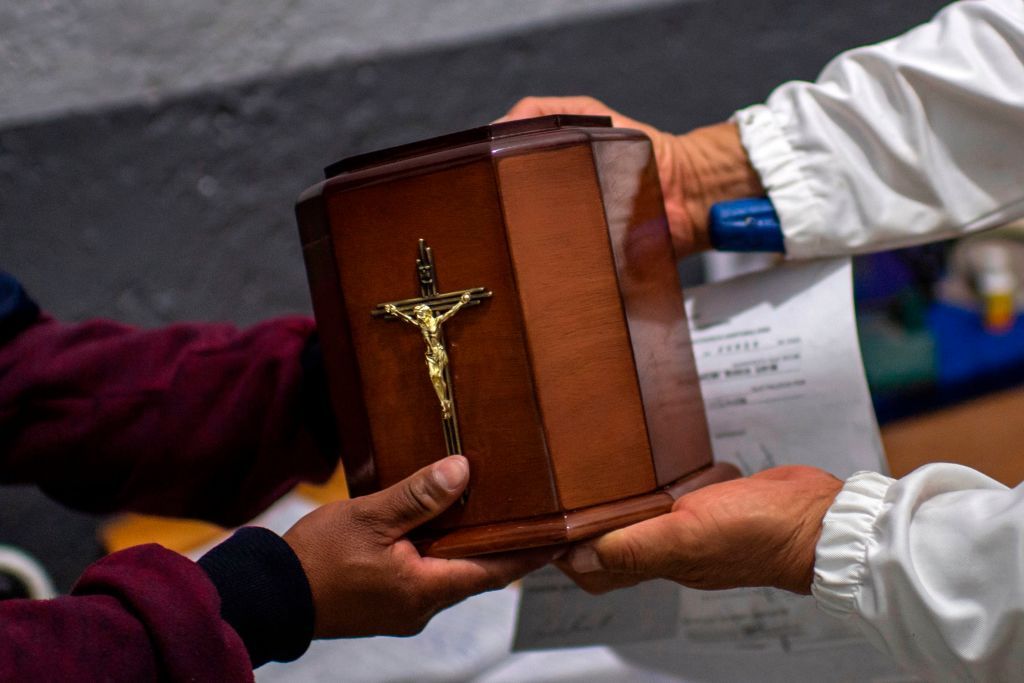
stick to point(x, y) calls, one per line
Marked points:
point(436, 355)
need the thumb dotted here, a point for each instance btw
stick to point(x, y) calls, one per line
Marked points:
point(642, 550)
point(420, 497)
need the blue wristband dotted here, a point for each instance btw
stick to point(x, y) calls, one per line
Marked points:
point(745, 225)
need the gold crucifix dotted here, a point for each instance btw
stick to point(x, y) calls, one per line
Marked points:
point(422, 310)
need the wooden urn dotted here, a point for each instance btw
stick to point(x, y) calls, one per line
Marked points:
point(510, 293)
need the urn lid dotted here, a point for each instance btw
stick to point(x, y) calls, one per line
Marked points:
point(494, 131)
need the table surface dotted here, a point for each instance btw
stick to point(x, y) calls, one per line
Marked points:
point(986, 434)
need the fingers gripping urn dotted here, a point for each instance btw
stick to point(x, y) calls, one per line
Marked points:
point(509, 293)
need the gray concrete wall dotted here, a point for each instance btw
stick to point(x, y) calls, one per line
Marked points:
point(81, 55)
point(180, 206)
point(150, 152)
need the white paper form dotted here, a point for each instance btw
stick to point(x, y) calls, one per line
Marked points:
point(780, 370)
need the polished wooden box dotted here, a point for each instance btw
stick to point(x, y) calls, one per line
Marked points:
point(568, 365)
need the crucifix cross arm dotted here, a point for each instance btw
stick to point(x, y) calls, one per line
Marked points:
point(463, 300)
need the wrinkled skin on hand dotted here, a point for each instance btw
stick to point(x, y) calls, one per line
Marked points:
point(368, 579)
point(697, 169)
point(756, 531)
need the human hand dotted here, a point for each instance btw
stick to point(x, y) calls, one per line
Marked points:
point(368, 579)
point(756, 531)
point(698, 169)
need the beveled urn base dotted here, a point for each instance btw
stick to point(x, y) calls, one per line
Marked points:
point(572, 525)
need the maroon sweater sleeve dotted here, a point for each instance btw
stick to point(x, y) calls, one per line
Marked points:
point(198, 420)
point(142, 614)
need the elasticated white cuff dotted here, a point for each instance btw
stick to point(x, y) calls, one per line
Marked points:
point(778, 164)
point(846, 534)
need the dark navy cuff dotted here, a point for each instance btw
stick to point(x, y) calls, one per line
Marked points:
point(17, 311)
point(264, 594)
point(745, 225)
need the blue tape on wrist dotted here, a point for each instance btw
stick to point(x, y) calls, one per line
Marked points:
point(745, 225)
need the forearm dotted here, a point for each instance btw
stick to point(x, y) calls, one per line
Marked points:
point(712, 167)
point(198, 420)
point(929, 567)
point(911, 140)
point(247, 602)
point(139, 615)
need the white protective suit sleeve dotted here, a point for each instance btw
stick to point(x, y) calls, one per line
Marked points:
point(931, 568)
point(916, 139)
point(912, 140)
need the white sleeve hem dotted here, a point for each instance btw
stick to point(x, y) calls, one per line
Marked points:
point(910, 140)
point(846, 533)
point(777, 163)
